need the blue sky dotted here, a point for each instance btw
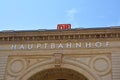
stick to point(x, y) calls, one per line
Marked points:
point(46, 14)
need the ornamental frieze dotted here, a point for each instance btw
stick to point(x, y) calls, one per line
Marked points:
point(60, 37)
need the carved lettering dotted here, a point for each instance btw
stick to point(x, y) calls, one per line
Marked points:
point(38, 45)
point(88, 44)
point(107, 44)
point(21, 46)
point(98, 44)
point(52, 45)
point(60, 45)
point(45, 45)
point(30, 46)
point(13, 46)
point(68, 45)
point(78, 45)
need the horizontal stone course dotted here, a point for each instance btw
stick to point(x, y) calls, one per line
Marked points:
point(116, 66)
point(3, 63)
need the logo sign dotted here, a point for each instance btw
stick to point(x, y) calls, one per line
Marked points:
point(63, 26)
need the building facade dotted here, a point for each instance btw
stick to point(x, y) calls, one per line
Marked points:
point(75, 54)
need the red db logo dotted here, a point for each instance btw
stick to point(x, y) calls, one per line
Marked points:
point(63, 26)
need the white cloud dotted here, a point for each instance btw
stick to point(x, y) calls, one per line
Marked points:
point(71, 14)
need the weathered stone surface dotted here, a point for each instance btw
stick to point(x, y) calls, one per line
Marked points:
point(93, 54)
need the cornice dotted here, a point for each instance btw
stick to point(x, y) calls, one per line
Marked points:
point(60, 35)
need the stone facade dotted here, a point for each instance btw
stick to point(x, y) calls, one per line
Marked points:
point(76, 54)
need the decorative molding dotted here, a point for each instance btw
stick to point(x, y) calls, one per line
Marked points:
point(58, 73)
point(60, 37)
point(101, 65)
point(16, 66)
point(58, 59)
